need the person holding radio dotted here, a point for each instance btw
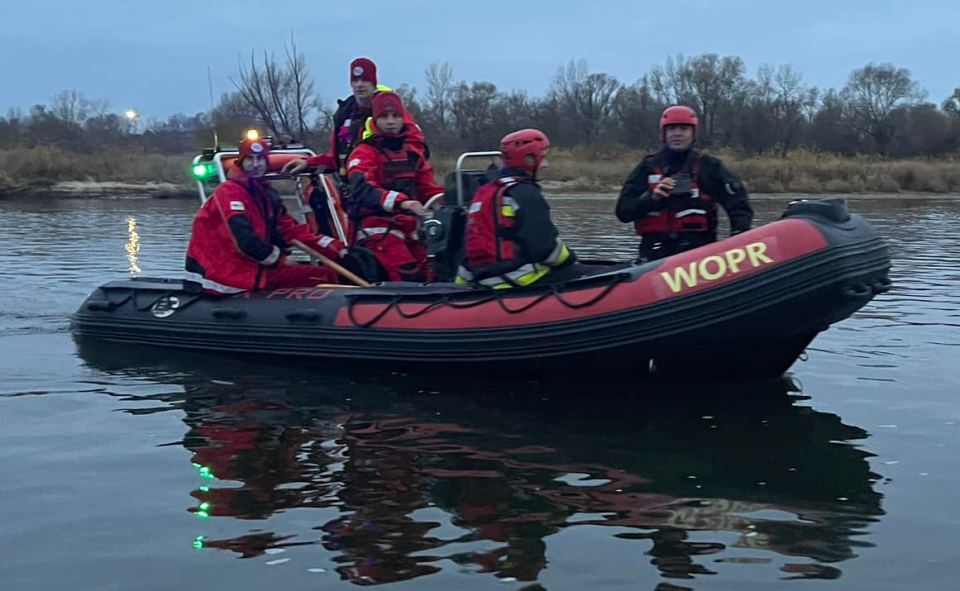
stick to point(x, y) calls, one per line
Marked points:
point(671, 197)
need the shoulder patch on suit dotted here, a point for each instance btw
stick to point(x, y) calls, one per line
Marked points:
point(475, 207)
point(353, 163)
point(237, 206)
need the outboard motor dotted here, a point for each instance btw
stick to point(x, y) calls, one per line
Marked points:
point(833, 209)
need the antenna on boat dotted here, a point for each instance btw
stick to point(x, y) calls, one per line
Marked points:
point(216, 141)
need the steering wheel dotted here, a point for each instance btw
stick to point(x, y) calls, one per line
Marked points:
point(434, 202)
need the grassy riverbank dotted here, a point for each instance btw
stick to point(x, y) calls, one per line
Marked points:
point(799, 172)
point(50, 170)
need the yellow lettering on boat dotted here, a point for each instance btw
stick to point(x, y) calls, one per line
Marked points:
point(721, 268)
point(681, 274)
point(756, 250)
point(716, 267)
point(734, 258)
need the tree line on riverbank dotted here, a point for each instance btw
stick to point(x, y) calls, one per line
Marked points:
point(781, 133)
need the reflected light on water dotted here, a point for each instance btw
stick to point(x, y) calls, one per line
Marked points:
point(133, 246)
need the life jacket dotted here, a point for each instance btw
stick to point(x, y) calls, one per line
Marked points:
point(490, 220)
point(347, 137)
point(400, 169)
point(397, 171)
point(494, 258)
point(680, 214)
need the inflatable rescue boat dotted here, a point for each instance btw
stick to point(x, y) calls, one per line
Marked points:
point(743, 307)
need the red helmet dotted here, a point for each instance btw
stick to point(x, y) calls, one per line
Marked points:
point(516, 146)
point(678, 115)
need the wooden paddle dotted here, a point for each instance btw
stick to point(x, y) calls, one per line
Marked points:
point(331, 264)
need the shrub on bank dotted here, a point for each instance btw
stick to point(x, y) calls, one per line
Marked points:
point(49, 163)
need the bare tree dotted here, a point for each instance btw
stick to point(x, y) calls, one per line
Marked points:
point(829, 130)
point(587, 98)
point(569, 79)
point(596, 105)
point(254, 90)
point(637, 114)
point(811, 103)
point(712, 80)
point(69, 106)
point(879, 110)
point(773, 109)
point(927, 130)
point(952, 104)
point(323, 124)
point(302, 85)
point(671, 84)
point(98, 107)
point(758, 129)
point(511, 112)
point(792, 97)
point(282, 95)
point(874, 92)
point(278, 83)
point(440, 89)
point(472, 113)
point(232, 115)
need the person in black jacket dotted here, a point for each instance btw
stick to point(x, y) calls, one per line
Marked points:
point(671, 197)
point(351, 125)
point(511, 240)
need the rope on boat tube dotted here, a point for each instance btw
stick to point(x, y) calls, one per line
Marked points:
point(493, 295)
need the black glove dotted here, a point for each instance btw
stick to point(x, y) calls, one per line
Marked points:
point(361, 261)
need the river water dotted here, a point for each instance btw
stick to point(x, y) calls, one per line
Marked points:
point(138, 469)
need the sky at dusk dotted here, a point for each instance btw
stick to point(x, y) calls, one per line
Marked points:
point(153, 56)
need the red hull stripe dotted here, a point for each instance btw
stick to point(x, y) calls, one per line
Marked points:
point(689, 272)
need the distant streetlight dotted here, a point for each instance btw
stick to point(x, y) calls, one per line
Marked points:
point(133, 118)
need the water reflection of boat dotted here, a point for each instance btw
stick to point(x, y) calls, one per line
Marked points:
point(680, 476)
